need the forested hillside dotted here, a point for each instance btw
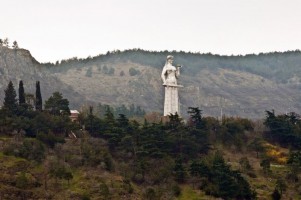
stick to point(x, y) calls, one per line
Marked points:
point(240, 85)
point(236, 85)
point(44, 155)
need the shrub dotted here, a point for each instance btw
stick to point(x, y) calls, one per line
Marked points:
point(133, 72)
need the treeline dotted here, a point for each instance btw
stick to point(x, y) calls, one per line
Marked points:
point(129, 111)
point(275, 65)
point(5, 42)
point(27, 115)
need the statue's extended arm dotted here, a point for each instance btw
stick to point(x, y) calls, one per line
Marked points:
point(178, 71)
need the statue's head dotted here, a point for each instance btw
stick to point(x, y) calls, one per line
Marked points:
point(169, 59)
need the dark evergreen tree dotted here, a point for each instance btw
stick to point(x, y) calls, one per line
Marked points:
point(56, 104)
point(21, 93)
point(276, 195)
point(179, 170)
point(39, 101)
point(123, 121)
point(196, 117)
point(10, 100)
point(109, 117)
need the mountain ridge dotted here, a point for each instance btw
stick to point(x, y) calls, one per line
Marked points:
point(239, 85)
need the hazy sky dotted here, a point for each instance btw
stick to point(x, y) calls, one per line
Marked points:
point(59, 29)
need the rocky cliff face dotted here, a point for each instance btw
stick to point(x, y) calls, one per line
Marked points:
point(18, 64)
point(125, 78)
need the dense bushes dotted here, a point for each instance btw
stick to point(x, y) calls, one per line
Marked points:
point(217, 179)
point(29, 148)
point(284, 129)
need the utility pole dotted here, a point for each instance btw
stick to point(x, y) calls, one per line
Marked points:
point(221, 101)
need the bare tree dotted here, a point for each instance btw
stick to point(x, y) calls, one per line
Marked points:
point(6, 42)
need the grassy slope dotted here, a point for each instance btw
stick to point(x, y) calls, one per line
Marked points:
point(88, 180)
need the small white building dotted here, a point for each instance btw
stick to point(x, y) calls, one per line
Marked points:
point(74, 115)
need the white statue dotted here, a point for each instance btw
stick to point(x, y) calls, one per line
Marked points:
point(169, 76)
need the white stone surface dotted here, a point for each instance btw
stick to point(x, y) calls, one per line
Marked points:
point(169, 77)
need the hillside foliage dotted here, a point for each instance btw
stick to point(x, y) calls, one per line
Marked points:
point(46, 155)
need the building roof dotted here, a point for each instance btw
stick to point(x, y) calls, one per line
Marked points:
point(74, 112)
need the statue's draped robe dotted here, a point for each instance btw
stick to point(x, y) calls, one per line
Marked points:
point(171, 100)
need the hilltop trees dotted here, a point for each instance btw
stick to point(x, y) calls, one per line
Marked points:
point(5, 42)
point(15, 45)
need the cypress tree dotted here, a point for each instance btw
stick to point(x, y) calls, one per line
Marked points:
point(38, 97)
point(21, 93)
point(10, 100)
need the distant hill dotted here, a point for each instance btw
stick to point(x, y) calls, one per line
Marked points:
point(237, 85)
point(18, 64)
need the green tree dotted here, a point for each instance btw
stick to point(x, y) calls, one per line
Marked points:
point(133, 72)
point(179, 170)
point(276, 195)
point(245, 164)
point(10, 101)
point(1, 42)
point(104, 190)
point(266, 165)
point(257, 146)
point(198, 130)
point(22, 181)
point(57, 104)
point(294, 163)
point(123, 121)
point(196, 117)
point(21, 93)
point(284, 129)
point(61, 172)
point(39, 102)
point(15, 45)
point(281, 185)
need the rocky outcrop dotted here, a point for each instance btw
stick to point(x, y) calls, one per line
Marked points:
point(18, 64)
